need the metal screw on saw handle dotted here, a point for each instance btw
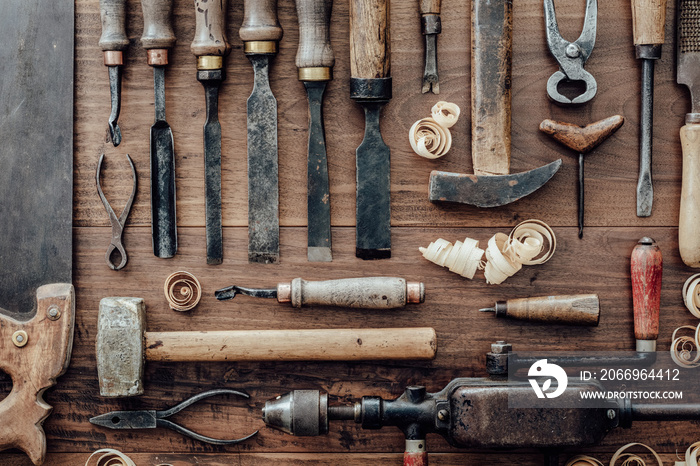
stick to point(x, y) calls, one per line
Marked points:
point(53, 312)
point(19, 338)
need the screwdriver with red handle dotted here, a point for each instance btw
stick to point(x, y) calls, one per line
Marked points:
point(646, 269)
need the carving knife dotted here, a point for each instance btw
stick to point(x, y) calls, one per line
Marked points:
point(370, 86)
point(157, 38)
point(315, 62)
point(260, 33)
point(210, 46)
point(113, 42)
point(431, 26)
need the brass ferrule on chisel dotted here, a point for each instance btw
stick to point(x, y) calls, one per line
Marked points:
point(210, 62)
point(316, 73)
point(113, 57)
point(260, 47)
point(157, 57)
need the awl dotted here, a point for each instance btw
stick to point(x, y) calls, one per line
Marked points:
point(260, 33)
point(365, 292)
point(646, 267)
point(432, 26)
point(157, 38)
point(210, 46)
point(315, 62)
point(370, 86)
point(113, 42)
point(582, 309)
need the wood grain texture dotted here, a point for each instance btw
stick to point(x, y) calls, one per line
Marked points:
point(689, 216)
point(370, 39)
point(429, 7)
point(648, 21)
point(315, 48)
point(573, 309)
point(157, 24)
point(646, 270)
point(210, 28)
point(260, 21)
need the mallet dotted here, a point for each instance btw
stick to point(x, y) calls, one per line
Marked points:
point(123, 345)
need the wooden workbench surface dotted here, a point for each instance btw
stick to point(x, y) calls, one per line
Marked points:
point(599, 263)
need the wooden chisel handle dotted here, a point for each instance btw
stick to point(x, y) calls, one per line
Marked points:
point(158, 35)
point(646, 269)
point(292, 345)
point(689, 218)
point(315, 55)
point(210, 29)
point(582, 309)
point(429, 7)
point(113, 38)
point(648, 21)
point(260, 29)
point(369, 39)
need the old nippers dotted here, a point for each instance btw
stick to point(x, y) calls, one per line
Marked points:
point(571, 56)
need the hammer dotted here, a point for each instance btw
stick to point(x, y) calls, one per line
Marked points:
point(123, 345)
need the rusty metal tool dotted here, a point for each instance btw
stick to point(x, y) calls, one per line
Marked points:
point(118, 223)
point(431, 26)
point(260, 33)
point(315, 62)
point(365, 292)
point(581, 309)
point(688, 73)
point(151, 419)
point(210, 46)
point(370, 86)
point(37, 300)
point(123, 345)
point(648, 20)
point(571, 56)
point(582, 139)
point(491, 185)
point(646, 267)
point(113, 42)
point(157, 38)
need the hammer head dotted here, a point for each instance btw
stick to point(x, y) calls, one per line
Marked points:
point(120, 353)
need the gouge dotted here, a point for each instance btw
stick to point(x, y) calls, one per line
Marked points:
point(688, 72)
point(581, 309)
point(370, 86)
point(260, 33)
point(364, 293)
point(431, 26)
point(315, 62)
point(157, 38)
point(646, 268)
point(113, 42)
point(210, 46)
point(648, 20)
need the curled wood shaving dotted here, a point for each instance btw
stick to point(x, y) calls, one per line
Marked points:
point(462, 258)
point(109, 457)
point(500, 264)
point(583, 460)
point(633, 459)
point(445, 114)
point(429, 139)
point(691, 294)
point(683, 347)
point(691, 456)
point(182, 291)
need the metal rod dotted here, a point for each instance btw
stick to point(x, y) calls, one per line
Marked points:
point(645, 191)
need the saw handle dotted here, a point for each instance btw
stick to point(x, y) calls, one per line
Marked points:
point(210, 29)
point(112, 13)
point(583, 309)
point(315, 49)
point(689, 218)
point(369, 39)
point(260, 21)
point(646, 270)
point(648, 21)
point(157, 25)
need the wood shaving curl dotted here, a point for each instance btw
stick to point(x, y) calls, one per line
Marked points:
point(445, 114)
point(583, 460)
point(429, 139)
point(633, 459)
point(683, 347)
point(691, 294)
point(691, 456)
point(110, 457)
point(462, 258)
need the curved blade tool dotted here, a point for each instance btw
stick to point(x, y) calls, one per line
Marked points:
point(113, 42)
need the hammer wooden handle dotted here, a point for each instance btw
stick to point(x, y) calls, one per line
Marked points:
point(689, 218)
point(314, 34)
point(112, 13)
point(210, 29)
point(369, 39)
point(648, 21)
point(583, 309)
point(362, 293)
point(292, 345)
point(157, 26)
point(646, 269)
point(260, 21)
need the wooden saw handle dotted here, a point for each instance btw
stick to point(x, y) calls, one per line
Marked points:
point(260, 21)
point(370, 50)
point(358, 293)
point(689, 218)
point(210, 29)
point(34, 364)
point(646, 269)
point(648, 21)
point(315, 49)
point(157, 25)
point(112, 13)
point(292, 345)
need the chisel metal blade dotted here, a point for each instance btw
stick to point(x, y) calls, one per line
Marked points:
point(212, 166)
point(263, 190)
point(319, 206)
point(431, 82)
point(115, 85)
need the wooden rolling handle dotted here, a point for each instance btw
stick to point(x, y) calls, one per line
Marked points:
point(157, 28)
point(369, 39)
point(646, 269)
point(689, 218)
point(112, 13)
point(429, 7)
point(293, 345)
point(260, 21)
point(315, 49)
point(572, 310)
point(648, 21)
point(210, 29)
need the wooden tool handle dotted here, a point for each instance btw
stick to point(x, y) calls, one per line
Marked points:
point(293, 345)
point(689, 218)
point(646, 270)
point(112, 13)
point(492, 40)
point(365, 293)
point(370, 48)
point(582, 309)
point(429, 7)
point(34, 354)
point(157, 26)
point(260, 21)
point(210, 29)
point(648, 21)
point(314, 34)
point(582, 139)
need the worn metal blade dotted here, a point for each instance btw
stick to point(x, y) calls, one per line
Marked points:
point(431, 81)
point(163, 219)
point(115, 86)
point(645, 188)
point(488, 190)
point(373, 230)
point(263, 189)
point(318, 197)
point(36, 150)
point(145, 419)
point(230, 292)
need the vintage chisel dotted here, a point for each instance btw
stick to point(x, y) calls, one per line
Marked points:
point(157, 38)
point(370, 86)
point(210, 46)
point(581, 309)
point(315, 62)
point(113, 42)
point(431, 26)
point(260, 33)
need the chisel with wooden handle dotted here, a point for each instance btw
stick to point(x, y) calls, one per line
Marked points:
point(113, 42)
point(581, 309)
point(431, 26)
point(646, 269)
point(363, 293)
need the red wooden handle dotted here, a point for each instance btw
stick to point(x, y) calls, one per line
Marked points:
point(646, 269)
point(415, 454)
